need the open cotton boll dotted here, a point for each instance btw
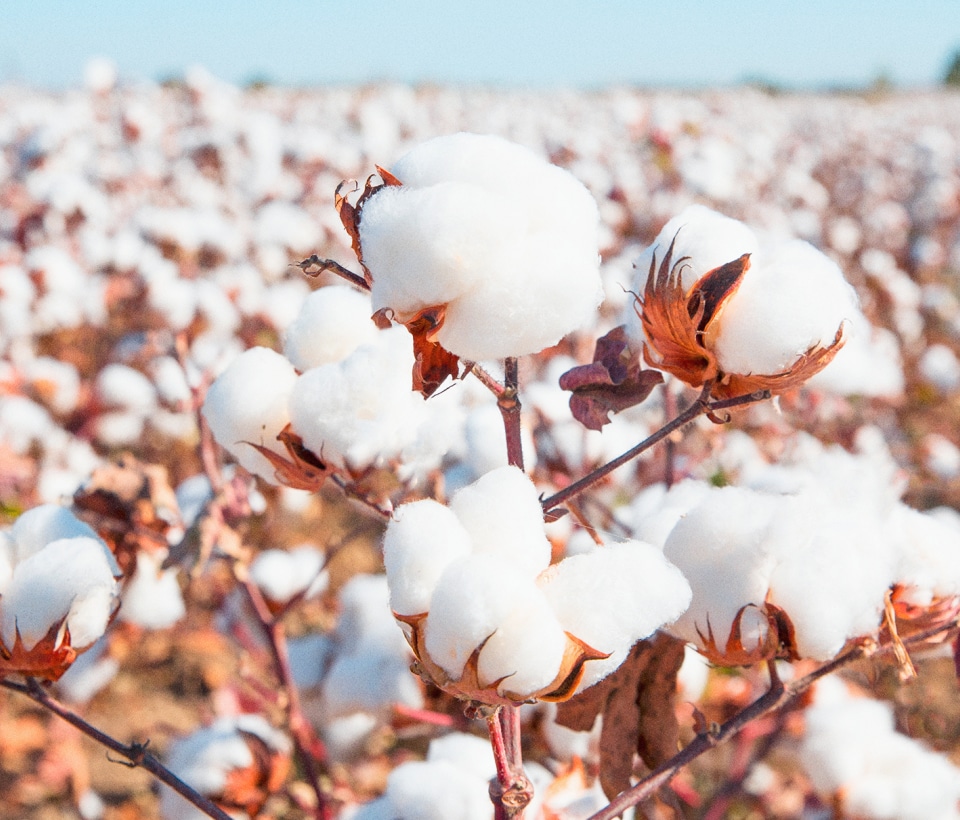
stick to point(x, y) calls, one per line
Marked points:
point(247, 404)
point(421, 541)
point(792, 298)
point(472, 598)
point(526, 651)
point(425, 790)
point(38, 526)
point(719, 546)
point(612, 597)
point(69, 580)
point(506, 242)
point(118, 385)
point(502, 513)
point(152, 597)
point(361, 410)
point(282, 574)
point(428, 246)
point(332, 323)
point(928, 549)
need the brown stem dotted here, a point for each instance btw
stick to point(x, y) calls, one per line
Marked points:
point(509, 403)
point(135, 753)
point(776, 697)
point(702, 406)
point(307, 744)
point(485, 379)
point(315, 265)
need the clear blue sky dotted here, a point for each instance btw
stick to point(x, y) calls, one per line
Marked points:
point(581, 43)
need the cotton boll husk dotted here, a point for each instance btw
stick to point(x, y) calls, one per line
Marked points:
point(248, 404)
point(421, 540)
point(791, 299)
point(282, 574)
point(720, 548)
point(526, 651)
point(152, 597)
point(613, 597)
point(360, 410)
point(69, 579)
point(501, 511)
point(472, 598)
point(428, 246)
point(332, 323)
point(834, 567)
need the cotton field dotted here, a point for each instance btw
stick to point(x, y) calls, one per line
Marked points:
point(312, 409)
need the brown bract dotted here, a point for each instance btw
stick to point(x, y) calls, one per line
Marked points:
point(303, 470)
point(468, 687)
point(432, 362)
point(49, 658)
point(682, 326)
point(249, 787)
point(350, 214)
point(778, 643)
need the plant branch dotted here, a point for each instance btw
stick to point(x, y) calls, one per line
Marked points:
point(776, 697)
point(306, 742)
point(315, 265)
point(702, 406)
point(135, 753)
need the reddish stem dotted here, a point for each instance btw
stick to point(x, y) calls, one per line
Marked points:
point(135, 753)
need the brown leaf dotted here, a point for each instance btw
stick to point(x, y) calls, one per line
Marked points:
point(637, 706)
point(303, 470)
point(611, 383)
point(433, 363)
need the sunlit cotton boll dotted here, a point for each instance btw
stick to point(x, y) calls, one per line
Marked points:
point(506, 242)
point(283, 574)
point(332, 323)
point(247, 404)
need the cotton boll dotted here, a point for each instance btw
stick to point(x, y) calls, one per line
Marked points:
point(67, 580)
point(928, 551)
point(361, 410)
point(502, 513)
point(310, 657)
point(423, 538)
point(57, 382)
point(720, 548)
point(436, 791)
point(868, 364)
point(332, 323)
point(612, 597)
point(38, 526)
point(792, 298)
point(940, 367)
point(429, 246)
point(248, 404)
point(467, 752)
point(118, 429)
point(656, 509)
point(283, 574)
point(486, 442)
point(472, 598)
point(151, 597)
point(526, 651)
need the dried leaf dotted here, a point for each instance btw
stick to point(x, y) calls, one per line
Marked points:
point(611, 383)
point(433, 363)
point(303, 470)
point(637, 706)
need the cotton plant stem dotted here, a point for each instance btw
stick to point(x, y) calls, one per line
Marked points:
point(702, 406)
point(775, 698)
point(305, 741)
point(136, 754)
point(514, 790)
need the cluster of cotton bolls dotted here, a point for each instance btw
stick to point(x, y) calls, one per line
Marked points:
point(146, 241)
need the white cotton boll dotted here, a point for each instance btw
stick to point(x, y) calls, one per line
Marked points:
point(170, 380)
point(345, 737)
point(151, 597)
point(473, 597)
point(940, 367)
point(421, 540)
point(286, 224)
point(283, 574)
point(68, 580)
point(57, 382)
point(928, 551)
point(23, 422)
point(834, 566)
point(429, 246)
point(502, 513)
point(436, 791)
point(487, 444)
point(656, 509)
point(468, 753)
point(614, 596)
point(566, 744)
point(365, 612)
point(791, 299)
point(720, 548)
point(361, 410)
point(248, 404)
point(38, 526)
point(693, 676)
point(369, 681)
point(100, 74)
point(508, 242)
point(119, 428)
point(88, 674)
point(526, 651)
point(941, 456)
point(332, 323)
point(310, 657)
point(118, 385)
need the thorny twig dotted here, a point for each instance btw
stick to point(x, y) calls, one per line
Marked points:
point(776, 697)
point(135, 754)
point(315, 265)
